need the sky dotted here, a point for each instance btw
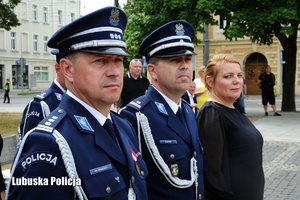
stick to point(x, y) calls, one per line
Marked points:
point(88, 6)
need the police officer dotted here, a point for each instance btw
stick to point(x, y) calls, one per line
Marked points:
point(165, 124)
point(82, 150)
point(44, 103)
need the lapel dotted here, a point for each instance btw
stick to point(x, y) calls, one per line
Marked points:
point(167, 113)
point(191, 121)
point(125, 144)
point(86, 123)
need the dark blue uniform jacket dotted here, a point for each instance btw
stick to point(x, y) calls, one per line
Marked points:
point(104, 169)
point(176, 145)
point(33, 112)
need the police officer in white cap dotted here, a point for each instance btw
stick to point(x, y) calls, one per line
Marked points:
point(164, 122)
point(82, 150)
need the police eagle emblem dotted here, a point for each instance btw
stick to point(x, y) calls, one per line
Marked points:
point(179, 29)
point(114, 17)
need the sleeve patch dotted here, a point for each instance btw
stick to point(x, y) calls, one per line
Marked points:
point(39, 157)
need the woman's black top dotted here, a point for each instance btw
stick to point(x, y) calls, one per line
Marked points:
point(232, 154)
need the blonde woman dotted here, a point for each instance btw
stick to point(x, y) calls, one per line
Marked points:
point(233, 146)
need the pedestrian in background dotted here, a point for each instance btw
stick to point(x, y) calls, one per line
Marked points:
point(164, 123)
point(241, 100)
point(202, 94)
point(44, 103)
point(135, 84)
point(6, 91)
point(189, 96)
point(82, 141)
point(233, 146)
point(266, 82)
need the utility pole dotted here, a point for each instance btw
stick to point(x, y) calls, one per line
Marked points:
point(117, 3)
point(206, 45)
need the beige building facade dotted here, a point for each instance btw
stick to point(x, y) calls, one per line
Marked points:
point(252, 57)
point(39, 20)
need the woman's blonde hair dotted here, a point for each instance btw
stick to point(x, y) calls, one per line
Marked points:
point(214, 65)
point(201, 72)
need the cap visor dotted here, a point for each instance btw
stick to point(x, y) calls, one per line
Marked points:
point(109, 50)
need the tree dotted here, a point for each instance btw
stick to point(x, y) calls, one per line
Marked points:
point(260, 20)
point(8, 18)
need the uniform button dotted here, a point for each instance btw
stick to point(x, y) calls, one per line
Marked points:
point(195, 153)
point(172, 156)
point(200, 196)
point(142, 173)
point(108, 190)
point(60, 111)
point(132, 179)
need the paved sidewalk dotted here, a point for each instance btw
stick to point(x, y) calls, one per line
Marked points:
point(281, 152)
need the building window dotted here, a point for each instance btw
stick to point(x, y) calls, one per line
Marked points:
point(13, 40)
point(60, 17)
point(45, 14)
point(72, 17)
point(24, 42)
point(222, 22)
point(35, 43)
point(34, 12)
point(41, 73)
point(2, 39)
point(24, 10)
point(45, 44)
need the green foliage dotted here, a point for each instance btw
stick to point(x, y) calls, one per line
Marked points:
point(145, 16)
point(260, 20)
point(8, 18)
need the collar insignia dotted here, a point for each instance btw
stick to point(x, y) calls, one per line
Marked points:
point(58, 96)
point(83, 122)
point(161, 108)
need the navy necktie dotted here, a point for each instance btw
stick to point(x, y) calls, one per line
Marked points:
point(179, 114)
point(110, 130)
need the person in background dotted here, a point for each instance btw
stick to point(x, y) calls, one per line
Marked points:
point(135, 84)
point(2, 182)
point(165, 123)
point(83, 150)
point(202, 94)
point(266, 82)
point(241, 100)
point(44, 103)
point(233, 146)
point(189, 97)
point(6, 92)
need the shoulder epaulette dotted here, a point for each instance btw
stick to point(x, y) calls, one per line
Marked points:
point(52, 120)
point(139, 102)
point(43, 95)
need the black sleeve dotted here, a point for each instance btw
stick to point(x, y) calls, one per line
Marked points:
point(215, 158)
